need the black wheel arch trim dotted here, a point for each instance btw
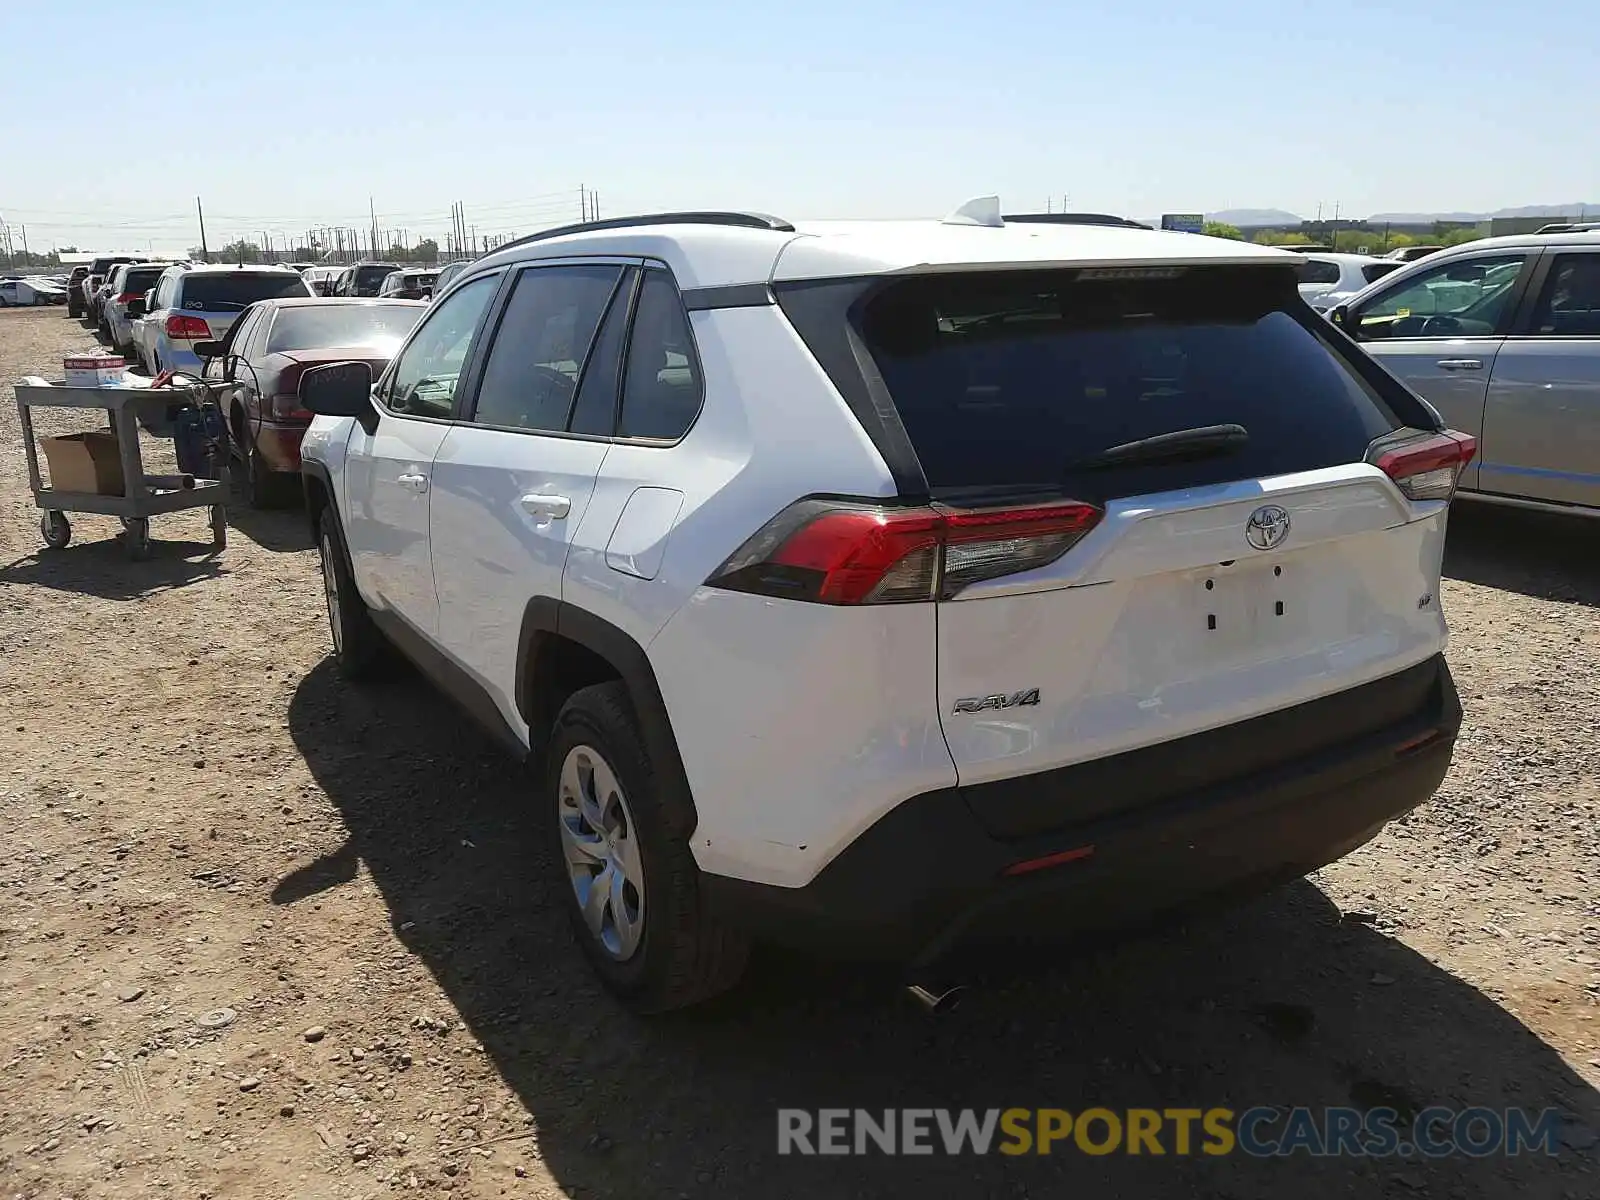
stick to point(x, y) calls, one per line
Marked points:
point(545, 616)
point(310, 471)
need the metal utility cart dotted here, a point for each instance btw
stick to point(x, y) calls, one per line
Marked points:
point(144, 496)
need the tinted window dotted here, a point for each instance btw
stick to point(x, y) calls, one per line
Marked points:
point(376, 326)
point(1463, 297)
point(1377, 270)
point(595, 411)
point(1016, 381)
point(661, 389)
point(541, 345)
point(370, 279)
point(237, 290)
point(1319, 270)
point(1570, 304)
point(423, 380)
point(141, 279)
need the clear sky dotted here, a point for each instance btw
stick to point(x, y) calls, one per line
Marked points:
point(289, 114)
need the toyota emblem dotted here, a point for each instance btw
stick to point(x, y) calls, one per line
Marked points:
point(1267, 527)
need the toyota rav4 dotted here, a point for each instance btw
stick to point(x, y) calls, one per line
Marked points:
point(896, 588)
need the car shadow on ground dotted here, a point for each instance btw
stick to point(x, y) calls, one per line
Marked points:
point(1282, 1002)
point(102, 568)
point(1545, 555)
point(280, 530)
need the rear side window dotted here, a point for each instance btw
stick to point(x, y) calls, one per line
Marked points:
point(1014, 382)
point(661, 386)
point(236, 291)
point(1570, 306)
point(1377, 270)
point(543, 340)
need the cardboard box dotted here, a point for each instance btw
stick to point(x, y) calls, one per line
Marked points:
point(94, 370)
point(85, 462)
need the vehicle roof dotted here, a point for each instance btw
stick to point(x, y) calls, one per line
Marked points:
point(225, 268)
point(335, 301)
point(1342, 257)
point(714, 255)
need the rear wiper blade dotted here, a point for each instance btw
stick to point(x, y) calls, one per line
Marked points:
point(1177, 446)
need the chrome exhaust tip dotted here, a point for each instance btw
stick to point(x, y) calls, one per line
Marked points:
point(936, 1001)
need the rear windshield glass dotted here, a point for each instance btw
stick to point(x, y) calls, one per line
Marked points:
point(234, 292)
point(1371, 271)
point(141, 279)
point(372, 277)
point(380, 326)
point(1017, 381)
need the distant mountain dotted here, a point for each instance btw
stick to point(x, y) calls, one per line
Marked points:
point(1247, 218)
point(1526, 210)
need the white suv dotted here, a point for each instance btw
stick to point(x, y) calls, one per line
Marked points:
point(899, 587)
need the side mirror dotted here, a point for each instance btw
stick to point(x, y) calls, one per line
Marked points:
point(340, 390)
point(208, 349)
point(135, 308)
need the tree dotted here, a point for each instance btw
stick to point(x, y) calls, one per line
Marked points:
point(1222, 230)
point(240, 251)
point(1457, 237)
point(427, 251)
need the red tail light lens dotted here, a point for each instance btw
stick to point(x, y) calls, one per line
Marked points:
point(830, 552)
point(1425, 466)
point(129, 297)
point(189, 329)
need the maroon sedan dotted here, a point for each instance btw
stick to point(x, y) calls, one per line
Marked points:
point(260, 362)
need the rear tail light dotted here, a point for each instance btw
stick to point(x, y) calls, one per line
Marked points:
point(286, 404)
point(128, 297)
point(831, 552)
point(1425, 466)
point(180, 327)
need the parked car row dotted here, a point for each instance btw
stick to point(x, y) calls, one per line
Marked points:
point(28, 290)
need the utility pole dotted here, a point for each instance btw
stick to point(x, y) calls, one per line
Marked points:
point(24, 241)
point(205, 254)
point(583, 202)
point(372, 212)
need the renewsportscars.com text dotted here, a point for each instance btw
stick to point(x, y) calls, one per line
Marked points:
point(1260, 1132)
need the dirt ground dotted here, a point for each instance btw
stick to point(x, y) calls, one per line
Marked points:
point(263, 934)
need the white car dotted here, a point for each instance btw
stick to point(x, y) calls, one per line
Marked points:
point(1328, 279)
point(898, 587)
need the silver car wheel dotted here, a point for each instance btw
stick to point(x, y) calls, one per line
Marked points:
point(330, 590)
point(600, 844)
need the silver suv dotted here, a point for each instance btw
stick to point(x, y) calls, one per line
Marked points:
point(1502, 336)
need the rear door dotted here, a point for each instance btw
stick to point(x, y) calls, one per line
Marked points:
point(512, 483)
point(1541, 436)
point(1440, 329)
point(1215, 587)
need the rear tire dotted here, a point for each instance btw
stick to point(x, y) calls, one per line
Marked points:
point(359, 647)
point(264, 488)
point(683, 955)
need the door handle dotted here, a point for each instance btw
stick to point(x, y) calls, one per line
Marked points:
point(1460, 364)
point(541, 505)
point(417, 483)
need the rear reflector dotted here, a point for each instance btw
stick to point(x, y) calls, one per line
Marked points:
point(1049, 860)
point(833, 552)
point(1424, 466)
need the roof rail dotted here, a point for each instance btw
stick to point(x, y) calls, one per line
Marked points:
point(1075, 218)
point(740, 220)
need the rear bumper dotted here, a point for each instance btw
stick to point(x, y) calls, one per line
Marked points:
point(928, 882)
point(280, 446)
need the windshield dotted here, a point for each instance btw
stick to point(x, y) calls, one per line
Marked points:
point(381, 327)
point(236, 291)
point(1015, 382)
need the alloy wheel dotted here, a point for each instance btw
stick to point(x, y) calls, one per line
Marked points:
point(600, 845)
